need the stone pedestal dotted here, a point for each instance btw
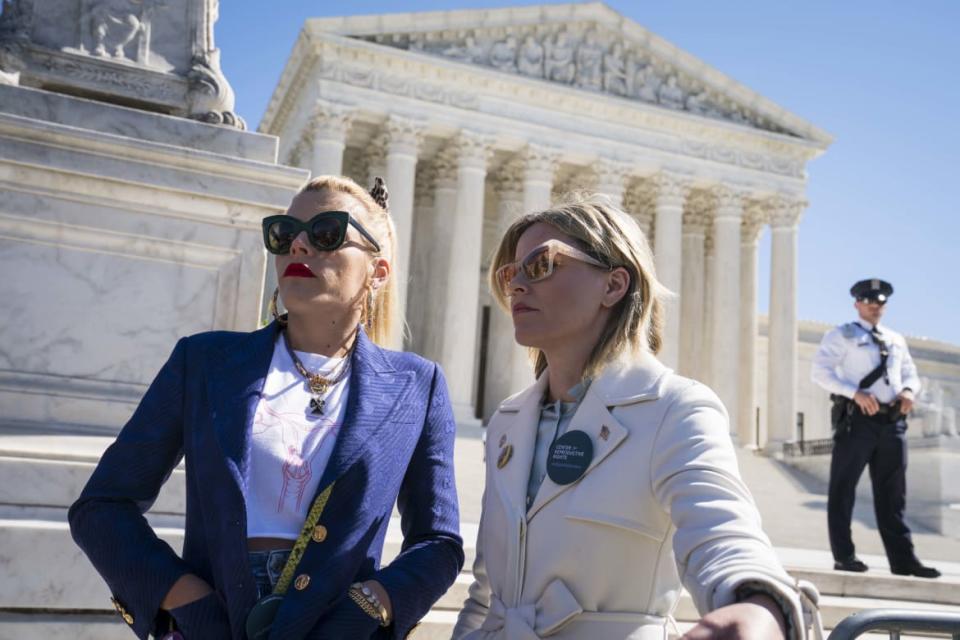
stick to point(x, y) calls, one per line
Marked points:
point(120, 231)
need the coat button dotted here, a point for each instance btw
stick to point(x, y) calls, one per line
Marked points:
point(319, 533)
point(127, 618)
point(302, 582)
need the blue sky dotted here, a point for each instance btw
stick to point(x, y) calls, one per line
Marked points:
point(880, 76)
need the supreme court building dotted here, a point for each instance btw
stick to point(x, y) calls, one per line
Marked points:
point(476, 116)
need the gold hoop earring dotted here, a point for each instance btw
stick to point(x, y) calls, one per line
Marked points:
point(281, 319)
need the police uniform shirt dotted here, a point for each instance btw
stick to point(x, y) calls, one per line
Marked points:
point(848, 353)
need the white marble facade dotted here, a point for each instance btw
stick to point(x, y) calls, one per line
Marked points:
point(476, 116)
point(120, 231)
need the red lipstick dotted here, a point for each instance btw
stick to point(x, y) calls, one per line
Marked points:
point(298, 270)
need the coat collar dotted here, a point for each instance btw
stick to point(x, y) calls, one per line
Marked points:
point(626, 381)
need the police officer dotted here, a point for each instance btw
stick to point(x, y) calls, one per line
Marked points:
point(872, 381)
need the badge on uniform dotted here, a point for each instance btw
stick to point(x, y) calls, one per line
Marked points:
point(505, 454)
point(569, 457)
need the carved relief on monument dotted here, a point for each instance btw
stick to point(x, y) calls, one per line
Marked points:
point(117, 28)
point(156, 53)
point(581, 55)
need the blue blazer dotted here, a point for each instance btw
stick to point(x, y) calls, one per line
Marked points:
point(396, 446)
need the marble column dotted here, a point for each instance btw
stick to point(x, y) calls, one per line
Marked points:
point(539, 172)
point(753, 222)
point(421, 256)
point(460, 311)
point(331, 122)
point(671, 191)
point(403, 138)
point(508, 367)
point(440, 251)
point(375, 159)
point(705, 373)
point(785, 216)
point(611, 179)
point(726, 301)
point(695, 218)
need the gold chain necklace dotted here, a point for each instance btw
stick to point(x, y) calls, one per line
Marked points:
point(319, 385)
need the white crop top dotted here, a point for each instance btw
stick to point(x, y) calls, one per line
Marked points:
point(290, 446)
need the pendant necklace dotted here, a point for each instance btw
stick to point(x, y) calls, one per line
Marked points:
point(319, 384)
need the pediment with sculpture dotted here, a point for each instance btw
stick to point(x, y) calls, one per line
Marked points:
point(585, 56)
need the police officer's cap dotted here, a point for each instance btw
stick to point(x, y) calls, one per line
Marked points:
point(874, 289)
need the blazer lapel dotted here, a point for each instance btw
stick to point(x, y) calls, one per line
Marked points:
point(375, 389)
point(605, 432)
point(235, 379)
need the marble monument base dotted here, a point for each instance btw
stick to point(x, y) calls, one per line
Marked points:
point(120, 231)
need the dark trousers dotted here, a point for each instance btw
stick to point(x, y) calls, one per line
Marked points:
point(881, 445)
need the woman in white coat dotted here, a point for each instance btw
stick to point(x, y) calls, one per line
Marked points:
point(611, 481)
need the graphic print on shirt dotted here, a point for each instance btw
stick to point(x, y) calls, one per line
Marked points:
point(294, 429)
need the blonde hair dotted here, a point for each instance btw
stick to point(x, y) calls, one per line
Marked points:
point(384, 312)
point(613, 237)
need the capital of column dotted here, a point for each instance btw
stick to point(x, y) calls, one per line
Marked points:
point(473, 149)
point(445, 168)
point(403, 135)
point(423, 185)
point(729, 203)
point(375, 156)
point(696, 213)
point(540, 162)
point(754, 219)
point(331, 121)
point(785, 212)
point(671, 189)
point(611, 176)
point(639, 202)
point(508, 181)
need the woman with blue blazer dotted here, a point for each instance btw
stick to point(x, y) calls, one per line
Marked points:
point(298, 439)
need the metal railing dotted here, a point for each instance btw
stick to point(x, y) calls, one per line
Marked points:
point(897, 621)
point(807, 447)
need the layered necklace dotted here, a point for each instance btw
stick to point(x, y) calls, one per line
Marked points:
point(319, 384)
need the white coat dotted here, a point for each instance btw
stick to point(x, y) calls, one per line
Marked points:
point(660, 505)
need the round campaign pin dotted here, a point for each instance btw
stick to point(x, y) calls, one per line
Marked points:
point(569, 457)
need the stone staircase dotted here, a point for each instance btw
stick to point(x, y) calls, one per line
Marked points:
point(48, 589)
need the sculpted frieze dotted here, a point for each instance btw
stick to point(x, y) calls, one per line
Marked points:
point(388, 82)
point(160, 53)
point(584, 56)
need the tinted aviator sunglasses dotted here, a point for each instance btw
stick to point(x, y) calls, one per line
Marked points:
point(540, 263)
point(326, 231)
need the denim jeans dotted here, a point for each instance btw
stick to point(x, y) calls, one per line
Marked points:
point(267, 567)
